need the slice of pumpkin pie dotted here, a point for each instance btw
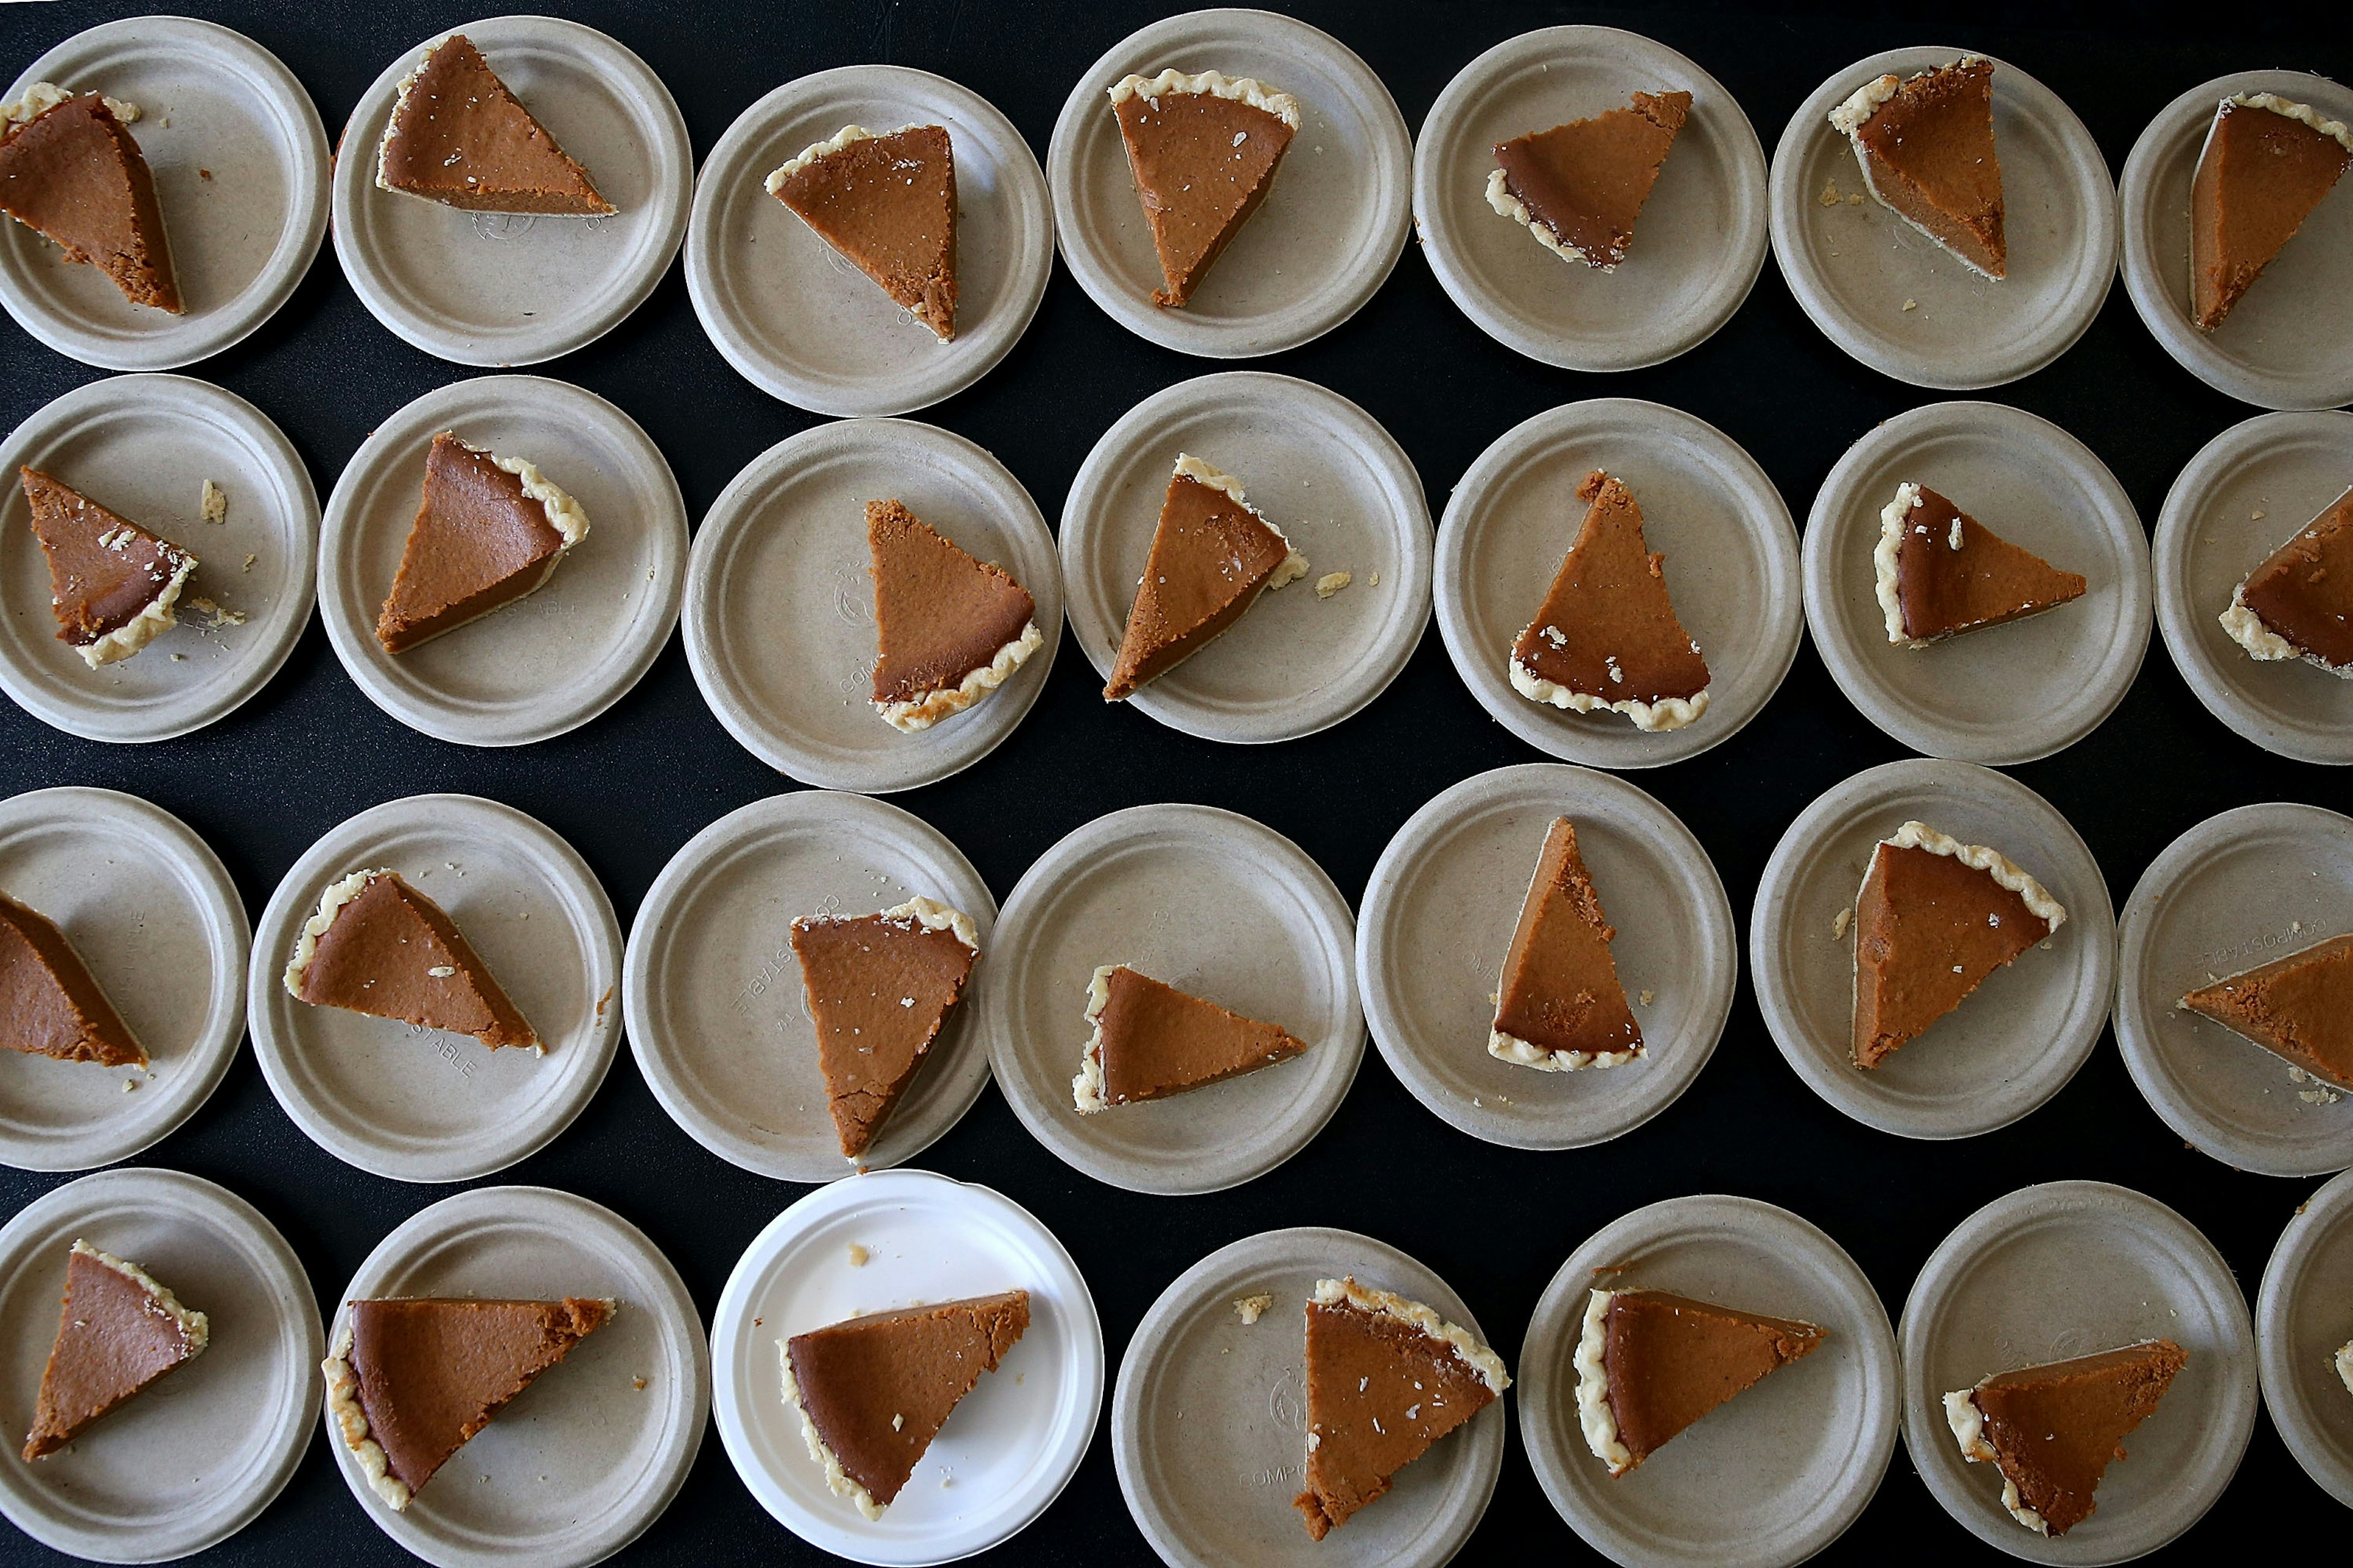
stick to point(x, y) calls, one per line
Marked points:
point(2053, 1431)
point(1561, 1007)
point(115, 587)
point(2299, 1008)
point(886, 205)
point(73, 175)
point(458, 136)
point(378, 946)
point(1212, 554)
point(1152, 1040)
point(1387, 1377)
point(50, 1003)
point(873, 1392)
point(119, 1329)
point(949, 628)
point(1578, 188)
point(489, 530)
point(2299, 603)
point(1202, 150)
point(1939, 572)
point(879, 988)
point(2267, 162)
point(1926, 146)
point(1650, 1363)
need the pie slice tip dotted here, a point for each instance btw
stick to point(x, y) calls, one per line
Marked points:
point(886, 203)
point(119, 1329)
point(459, 136)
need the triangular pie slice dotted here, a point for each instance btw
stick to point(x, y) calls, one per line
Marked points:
point(888, 205)
point(1605, 636)
point(1212, 553)
point(1152, 1040)
point(1650, 1362)
point(114, 587)
point(880, 988)
point(489, 530)
point(458, 136)
point(2266, 163)
point(948, 629)
point(410, 1381)
point(1926, 146)
point(1202, 150)
point(873, 1390)
point(2299, 1007)
point(2299, 603)
point(117, 1331)
point(1933, 918)
point(1940, 572)
point(50, 1003)
point(378, 946)
point(1560, 1006)
point(69, 172)
point(1387, 1377)
point(2053, 1431)
point(1579, 187)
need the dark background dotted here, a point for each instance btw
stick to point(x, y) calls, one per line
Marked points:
point(631, 787)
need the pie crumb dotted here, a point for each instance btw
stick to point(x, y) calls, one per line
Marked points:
point(1911, 304)
point(1830, 197)
point(1373, 581)
point(129, 1084)
point(2256, 516)
point(1840, 921)
point(1649, 997)
point(638, 1383)
point(215, 502)
point(858, 1255)
point(249, 563)
point(1332, 583)
point(1249, 1308)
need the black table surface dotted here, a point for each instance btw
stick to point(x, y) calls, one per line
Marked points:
point(631, 787)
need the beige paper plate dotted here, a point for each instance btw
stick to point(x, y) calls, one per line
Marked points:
point(1707, 507)
point(2016, 1040)
point(712, 991)
point(1209, 1423)
point(2239, 889)
point(590, 1454)
point(509, 289)
point(191, 1460)
point(1699, 246)
point(1340, 488)
point(1883, 290)
point(2247, 492)
point(803, 325)
point(2303, 1318)
point(2288, 342)
point(1439, 911)
point(240, 167)
point(144, 446)
point(2004, 694)
point(548, 663)
point(2064, 1269)
point(1214, 904)
point(421, 1105)
point(1771, 1477)
point(1333, 224)
point(780, 603)
point(152, 912)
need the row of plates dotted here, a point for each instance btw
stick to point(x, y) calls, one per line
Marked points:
point(796, 320)
point(1209, 901)
point(776, 598)
point(1207, 1416)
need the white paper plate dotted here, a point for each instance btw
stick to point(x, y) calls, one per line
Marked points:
point(2288, 342)
point(191, 1460)
point(2247, 492)
point(2236, 892)
point(144, 446)
point(421, 1105)
point(2004, 694)
point(1333, 222)
point(509, 288)
point(712, 992)
point(1439, 911)
point(152, 912)
point(1707, 507)
point(240, 167)
point(1340, 488)
point(780, 600)
point(1013, 1443)
point(590, 1454)
point(2065, 1269)
point(1883, 290)
point(1767, 1479)
point(1208, 1425)
point(1698, 246)
point(800, 322)
point(2014, 1041)
point(550, 662)
point(1211, 903)
point(2302, 1317)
